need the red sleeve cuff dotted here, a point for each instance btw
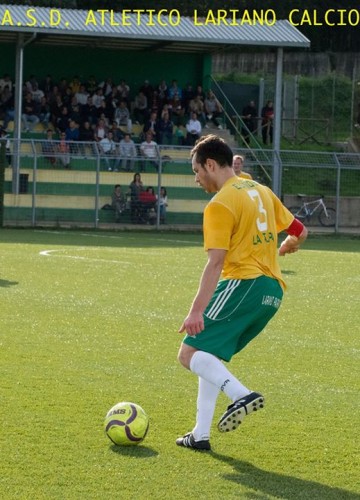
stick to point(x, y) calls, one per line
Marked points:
point(295, 228)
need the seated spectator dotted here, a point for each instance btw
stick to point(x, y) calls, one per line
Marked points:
point(165, 130)
point(117, 133)
point(118, 202)
point(152, 125)
point(124, 91)
point(135, 188)
point(122, 116)
point(193, 129)
point(5, 81)
point(127, 153)
point(140, 107)
point(86, 135)
point(5, 137)
point(177, 111)
point(174, 90)
point(162, 93)
point(163, 203)
point(100, 131)
point(72, 135)
point(108, 152)
point(64, 151)
point(37, 94)
point(98, 97)
point(149, 151)
point(147, 90)
point(48, 147)
point(148, 205)
point(89, 112)
point(196, 105)
point(187, 95)
point(62, 122)
point(30, 113)
point(238, 164)
point(44, 112)
point(91, 84)
point(82, 95)
point(213, 109)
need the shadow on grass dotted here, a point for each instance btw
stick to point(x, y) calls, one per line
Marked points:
point(134, 451)
point(280, 485)
point(7, 283)
point(289, 273)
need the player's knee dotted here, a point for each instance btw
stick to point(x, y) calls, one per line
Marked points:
point(185, 354)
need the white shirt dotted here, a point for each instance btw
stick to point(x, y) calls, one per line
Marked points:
point(193, 127)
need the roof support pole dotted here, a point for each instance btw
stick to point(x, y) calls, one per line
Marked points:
point(277, 121)
point(17, 116)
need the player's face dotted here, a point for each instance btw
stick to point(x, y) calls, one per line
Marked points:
point(237, 166)
point(203, 177)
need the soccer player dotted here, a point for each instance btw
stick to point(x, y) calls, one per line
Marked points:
point(238, 164)
point(241, 286)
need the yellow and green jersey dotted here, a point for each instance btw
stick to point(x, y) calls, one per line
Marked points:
point(244, 218)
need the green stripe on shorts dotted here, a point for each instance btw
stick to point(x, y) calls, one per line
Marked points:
point(237, 312)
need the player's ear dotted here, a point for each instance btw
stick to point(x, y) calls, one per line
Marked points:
point(210, 164)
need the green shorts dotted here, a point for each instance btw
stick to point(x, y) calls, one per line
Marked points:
point(237, 312)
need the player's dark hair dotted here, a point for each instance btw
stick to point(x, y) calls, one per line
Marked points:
point(214, 148)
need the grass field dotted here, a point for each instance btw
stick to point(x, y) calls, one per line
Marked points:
point(88, 320)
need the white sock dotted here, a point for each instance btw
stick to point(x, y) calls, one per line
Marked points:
point(210, 368)
point(206, 401)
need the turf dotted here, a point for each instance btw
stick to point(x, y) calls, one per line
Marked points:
point(93, 321)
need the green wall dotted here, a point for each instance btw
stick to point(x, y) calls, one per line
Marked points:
point(134, 67)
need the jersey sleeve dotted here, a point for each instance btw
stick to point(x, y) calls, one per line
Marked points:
point(218, 226)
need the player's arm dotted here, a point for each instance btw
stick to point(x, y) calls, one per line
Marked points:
point(297, 234)
point(194, 322)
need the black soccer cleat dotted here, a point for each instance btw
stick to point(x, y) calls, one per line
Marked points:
point(188, 441)
point(237, 411)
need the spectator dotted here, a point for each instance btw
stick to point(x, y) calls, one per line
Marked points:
point(249, 116)
point(30, 113)
point(165, 130)
point(193, 129)
point(86, 135)
point(122, 116)
point(237, 165)
point(163, 203)
point(135, 188)
point(72, 135)
point(124, 91)
point(267, 115)
point(196, 105)
point(82, 95)
point(117, 133)
point(100, 131)
point(108, 152)
point(5, 137)
point(64, 151)
point(174, 90)
point(91, 84)
point(5, 81)
point(140, 107)
point(89, 112)
point(149, 151)
point(98, 98)
point(44, 114)
point(213, 109)
point(147, 90)
point(62, 122)
point(118, 202)
point(152, 125)
point(187, 95)
point(47, 86)
point(147, 205)
point(37, 94)
point(127, 153)
point(48, 147)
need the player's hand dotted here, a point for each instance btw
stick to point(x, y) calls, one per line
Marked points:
point(193, 324)
point(289, 245)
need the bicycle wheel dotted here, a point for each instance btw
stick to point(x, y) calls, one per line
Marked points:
point(329, 219)
point(298, 212)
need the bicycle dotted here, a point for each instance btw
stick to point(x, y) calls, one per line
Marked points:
point(326, 216)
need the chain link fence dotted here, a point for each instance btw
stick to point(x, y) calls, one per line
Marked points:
point(75, 188)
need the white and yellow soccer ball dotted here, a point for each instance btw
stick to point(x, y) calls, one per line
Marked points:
point(126, 424)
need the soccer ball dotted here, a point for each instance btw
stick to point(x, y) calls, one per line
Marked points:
point(126, 424)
